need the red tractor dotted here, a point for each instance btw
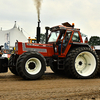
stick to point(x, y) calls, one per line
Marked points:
point(64, 52)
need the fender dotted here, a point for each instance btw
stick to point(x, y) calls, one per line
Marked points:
point(74, 45)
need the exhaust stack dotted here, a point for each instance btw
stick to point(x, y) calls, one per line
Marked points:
point(47, 29)
point(38, 31)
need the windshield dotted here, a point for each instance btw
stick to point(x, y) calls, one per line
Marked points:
point(54, 36)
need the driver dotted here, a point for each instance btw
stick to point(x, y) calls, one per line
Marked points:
point(65, 42)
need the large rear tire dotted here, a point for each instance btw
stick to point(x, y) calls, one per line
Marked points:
point(31, 65)
point(12, 63)
point(82, 62)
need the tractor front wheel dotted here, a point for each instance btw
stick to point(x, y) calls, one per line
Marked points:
point(12, 63)
point(31, 65)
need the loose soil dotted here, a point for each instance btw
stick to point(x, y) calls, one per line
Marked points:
point(48, 87)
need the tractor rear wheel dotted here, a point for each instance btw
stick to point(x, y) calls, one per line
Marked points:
point(12, 63)
point(31, 65)
point(82, 62)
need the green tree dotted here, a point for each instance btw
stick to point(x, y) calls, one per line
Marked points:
point(42, 38)
point(94, 40)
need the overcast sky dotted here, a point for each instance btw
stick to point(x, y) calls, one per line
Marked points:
point(84, 13)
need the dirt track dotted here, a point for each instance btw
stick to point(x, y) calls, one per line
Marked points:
point(49, 87)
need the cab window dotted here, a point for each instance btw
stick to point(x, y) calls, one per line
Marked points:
point(75, 37)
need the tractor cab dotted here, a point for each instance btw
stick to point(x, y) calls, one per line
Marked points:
point(63, 37)
point(31, 40)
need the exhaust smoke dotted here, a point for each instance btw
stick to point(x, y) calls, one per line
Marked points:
point(38, 7)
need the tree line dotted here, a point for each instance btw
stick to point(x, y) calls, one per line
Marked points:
point(94, 40)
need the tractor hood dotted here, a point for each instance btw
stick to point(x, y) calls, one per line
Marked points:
point(44, 49)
